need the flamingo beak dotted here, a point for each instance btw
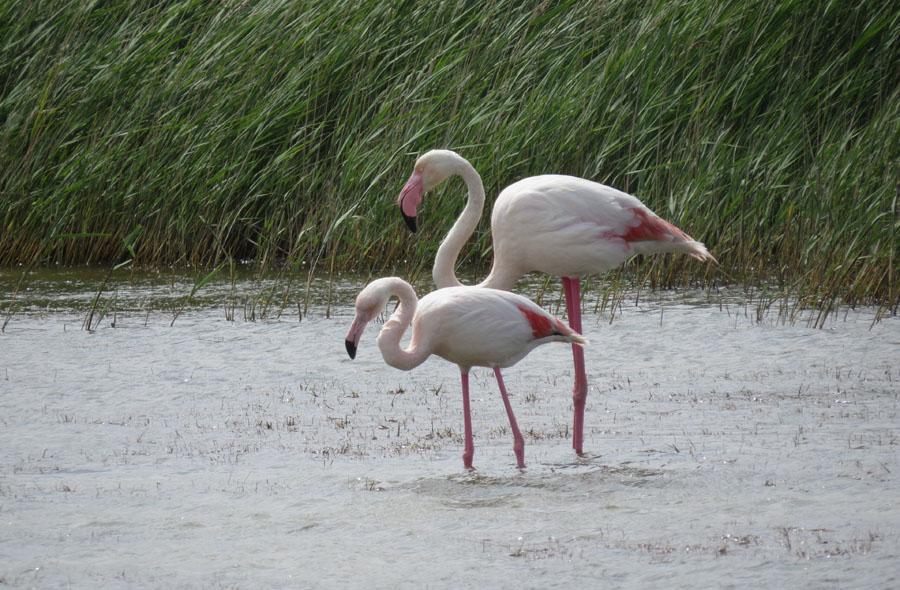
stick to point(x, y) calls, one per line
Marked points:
point(354, 334)
point(410, 197)
point(410, 222)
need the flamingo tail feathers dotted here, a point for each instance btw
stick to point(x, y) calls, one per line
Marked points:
point(576, 338)
point(569, 334)
point(697, 250)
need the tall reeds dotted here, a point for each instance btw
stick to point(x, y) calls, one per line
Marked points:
point(282, 130)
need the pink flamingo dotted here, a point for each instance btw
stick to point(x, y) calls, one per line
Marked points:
point(560, 225)
point(469, 326)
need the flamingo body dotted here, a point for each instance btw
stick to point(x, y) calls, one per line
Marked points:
point(484, 327)
point(571, 227)
point(468, 326)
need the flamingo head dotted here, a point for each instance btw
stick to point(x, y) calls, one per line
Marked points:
point(369, 303)
point(431, 169)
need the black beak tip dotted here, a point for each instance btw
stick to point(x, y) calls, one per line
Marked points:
point(410, 222)
point(351, 348)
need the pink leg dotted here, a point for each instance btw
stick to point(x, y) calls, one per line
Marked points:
point(469, 450)
point(572, 288)
point(518, 441)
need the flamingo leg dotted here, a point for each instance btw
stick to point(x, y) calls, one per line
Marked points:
point(572, 288)
point(469, 450)
point(518, 441)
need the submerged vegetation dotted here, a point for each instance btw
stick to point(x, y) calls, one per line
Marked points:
point(197, 133)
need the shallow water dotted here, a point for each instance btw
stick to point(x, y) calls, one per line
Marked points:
point(723, 451)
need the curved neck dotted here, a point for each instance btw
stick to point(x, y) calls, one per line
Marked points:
point(444, 271)
point(393, 330)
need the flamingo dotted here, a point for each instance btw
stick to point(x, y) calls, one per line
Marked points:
point(560, 225)
point(469, 326)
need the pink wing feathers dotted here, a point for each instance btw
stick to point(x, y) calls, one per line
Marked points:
point(635, 224)
point(543, 325)
point(649, 227)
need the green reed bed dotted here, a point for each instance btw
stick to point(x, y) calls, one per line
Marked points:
point(281, 131)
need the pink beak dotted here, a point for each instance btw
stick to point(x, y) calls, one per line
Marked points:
point(410, 197)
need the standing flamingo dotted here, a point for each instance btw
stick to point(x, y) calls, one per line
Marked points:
point(469, 326)
point(560, 225)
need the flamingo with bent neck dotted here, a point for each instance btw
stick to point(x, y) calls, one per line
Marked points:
point(560, 225)
point(468, 326)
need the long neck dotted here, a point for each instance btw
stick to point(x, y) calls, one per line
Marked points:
point(444, 271)
point(502, 276)
point(393, 330)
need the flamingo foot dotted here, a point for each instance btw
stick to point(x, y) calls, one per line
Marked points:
point(468, 454)
point(519, 450)
point(578, 424)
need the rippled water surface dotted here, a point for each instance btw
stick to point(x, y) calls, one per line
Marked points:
point(723, 451)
